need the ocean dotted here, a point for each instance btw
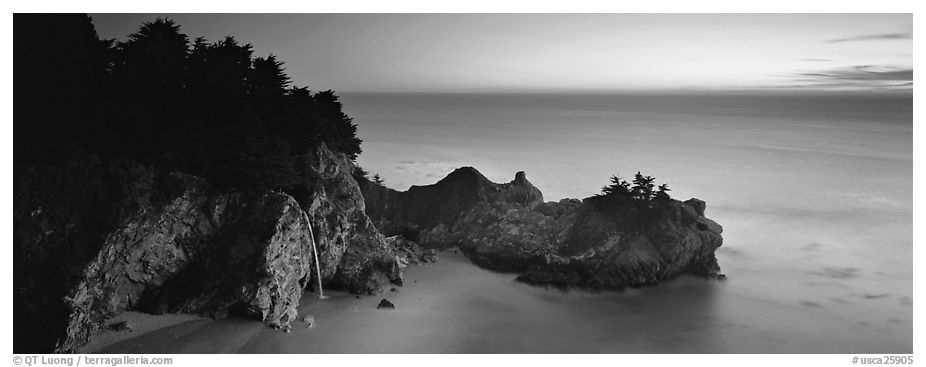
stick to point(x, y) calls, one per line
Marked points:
point(814, 192)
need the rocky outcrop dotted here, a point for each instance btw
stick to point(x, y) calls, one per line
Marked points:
point(159, 243)
point(353, 253)
point(200, 252)
point(426, 207)
point(94, 238)
point(595, 243)
point(410, 253)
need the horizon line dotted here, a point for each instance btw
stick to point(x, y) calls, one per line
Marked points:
point(793, 91)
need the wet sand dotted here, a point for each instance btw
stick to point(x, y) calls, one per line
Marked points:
point(139, 323)
point(453, 306)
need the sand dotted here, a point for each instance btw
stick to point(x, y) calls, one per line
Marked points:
point(139, 323)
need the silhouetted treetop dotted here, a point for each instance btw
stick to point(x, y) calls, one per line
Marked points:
point(207, 108)
point(634, 204)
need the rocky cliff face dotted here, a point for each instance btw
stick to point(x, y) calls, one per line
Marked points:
point(353, 253)
point(93, 238)
point(589, 244)
point(200, 252)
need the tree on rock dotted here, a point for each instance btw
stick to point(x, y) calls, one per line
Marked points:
point(618, 188)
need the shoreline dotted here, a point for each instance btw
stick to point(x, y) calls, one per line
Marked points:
point(138, 323)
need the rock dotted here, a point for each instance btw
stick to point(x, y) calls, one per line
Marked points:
point(385, 304)
point(121, 236)
point(429, 255)
point(406, 252)
point(186, 255)
point(309, 320)
point(353, 254)
point(593, 243)
point(120, 326)
point(409, 253)
point(266, 232)
point(427, 207)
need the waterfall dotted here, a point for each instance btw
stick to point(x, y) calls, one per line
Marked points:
point(318, 269)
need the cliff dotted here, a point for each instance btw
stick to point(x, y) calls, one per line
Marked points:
point(592, 243)
point(95, 237)
point(424, 207)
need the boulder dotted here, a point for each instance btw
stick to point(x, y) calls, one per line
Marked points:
point(353, 254)
point(199, 252)
point(384, 303)
point(309, 320)
point(121, 326)
point(410, 253)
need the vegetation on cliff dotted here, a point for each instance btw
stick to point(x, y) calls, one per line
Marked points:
point(212, 109)
point(141, 177)
point(634, 205)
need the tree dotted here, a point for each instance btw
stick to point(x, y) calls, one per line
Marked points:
point(618, 188)
point(641, 191)
point(206, 108)
point(337, 127)
point(359, 173)
point(268, 81)
point(256, 160)
point(662, 194)
point(642, 187)
point(149, 70)
point(60, 80)
point(378, 180)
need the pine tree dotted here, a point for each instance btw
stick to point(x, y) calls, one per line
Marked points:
point(662, 194)
point(337, 127)
point(618, 188)
point(642, 187)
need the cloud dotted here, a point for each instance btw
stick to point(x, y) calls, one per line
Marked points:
point(874, 37)
point(863, 73)
point(817, 60)
point(855, 77)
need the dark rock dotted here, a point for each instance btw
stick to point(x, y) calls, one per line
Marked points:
point(429, 255)
point(592, 243)
point(121, 236)
point(698, 206)
point(409, 253)
point(186, 255)
point(427, 207)
point(353, 253)
point(406, 252)
point(385, 304)
point(120, 326)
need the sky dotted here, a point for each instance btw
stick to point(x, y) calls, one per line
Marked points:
point(566, 52)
